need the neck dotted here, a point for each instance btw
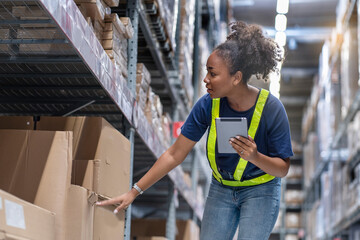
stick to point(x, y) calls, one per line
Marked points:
point(243, 97)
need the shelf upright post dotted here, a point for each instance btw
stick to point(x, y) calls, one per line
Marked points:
point(171, 218)
point(195, 81)
point(283, 210)
point(133, 14)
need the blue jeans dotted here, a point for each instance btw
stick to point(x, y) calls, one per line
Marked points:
point(254, 209)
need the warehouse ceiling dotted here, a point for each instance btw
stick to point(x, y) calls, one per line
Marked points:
point(309, 23)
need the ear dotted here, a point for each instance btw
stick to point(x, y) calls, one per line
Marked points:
point(237, 77)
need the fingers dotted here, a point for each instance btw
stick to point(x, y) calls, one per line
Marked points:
point(121, 207)
point(108, 202)
point(245, 147)
point(114, 201)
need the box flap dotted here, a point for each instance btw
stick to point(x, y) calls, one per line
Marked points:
point(23, 219)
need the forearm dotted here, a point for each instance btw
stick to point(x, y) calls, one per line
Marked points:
point(271, 165)
point(161, 167)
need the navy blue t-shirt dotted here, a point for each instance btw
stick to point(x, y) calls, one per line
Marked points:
point(272, 137)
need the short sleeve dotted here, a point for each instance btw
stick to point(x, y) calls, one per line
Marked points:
point(279, 137)
point(198, 121)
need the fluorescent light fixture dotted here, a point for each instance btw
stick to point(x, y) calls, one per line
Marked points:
point(242, 3)
point(282, 6)
point(280, 22)
point(275, 84)
point(275, 78)
point(280, 38)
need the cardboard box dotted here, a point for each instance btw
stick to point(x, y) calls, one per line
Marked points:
point(38, 169)
point(107, 225)
point(85, 221)
point(186, 230)
point(53, 49)
point(112, 3)
point(109, 179)
point(23, 219)
point(38, 33)
point(151, 238)
point(93, 138)
point(95, 9)
point(17, 122)
point(28, 11)
point(5, 34)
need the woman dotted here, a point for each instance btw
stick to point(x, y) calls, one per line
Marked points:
point(245, 188)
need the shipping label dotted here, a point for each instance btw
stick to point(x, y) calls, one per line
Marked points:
point(14, 214)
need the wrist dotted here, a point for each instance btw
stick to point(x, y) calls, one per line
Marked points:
point(138, 189)
point(134, 192)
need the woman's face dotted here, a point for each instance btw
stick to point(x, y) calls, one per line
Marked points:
point(218, 80)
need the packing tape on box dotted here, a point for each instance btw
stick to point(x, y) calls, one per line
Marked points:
point(14, 214)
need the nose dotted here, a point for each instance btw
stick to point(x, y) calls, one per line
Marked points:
point(206, 80)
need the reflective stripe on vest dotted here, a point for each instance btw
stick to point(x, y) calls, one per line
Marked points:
point(240, 168)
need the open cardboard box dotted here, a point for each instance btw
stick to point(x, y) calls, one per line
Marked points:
point(38, 170)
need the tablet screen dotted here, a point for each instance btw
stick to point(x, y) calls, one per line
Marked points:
point(228, 127)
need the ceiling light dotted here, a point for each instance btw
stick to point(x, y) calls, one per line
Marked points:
point(242, 3)
point(292, 44)
point(280, 38)
point(282, 6)
point(280, 22)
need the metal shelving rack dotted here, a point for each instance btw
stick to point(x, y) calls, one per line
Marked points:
point(336, 152)
point(79, 79)
point(282, 231)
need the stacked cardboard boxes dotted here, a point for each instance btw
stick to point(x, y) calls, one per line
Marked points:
point(143, 79)
point(38, 32)
point(40, 165)
point(111, 31)
point(22, 220)
point(349, 69)
point(114, 40)
point(187, 47)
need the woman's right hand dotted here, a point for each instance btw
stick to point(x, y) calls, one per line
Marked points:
point(123, 200)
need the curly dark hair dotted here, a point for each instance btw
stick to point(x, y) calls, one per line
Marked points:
point(247, 50)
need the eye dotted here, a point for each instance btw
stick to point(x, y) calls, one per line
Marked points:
point(212, 74)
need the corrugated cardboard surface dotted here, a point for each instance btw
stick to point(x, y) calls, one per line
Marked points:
point(23, 219)
point(38, 168)
point(12, 122)
point(186, 230)
point(151, 238)
point(107, 225)
point(79, 214)
point(85, 221)
point(109, 173)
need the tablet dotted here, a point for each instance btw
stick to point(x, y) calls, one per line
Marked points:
point(228, 127)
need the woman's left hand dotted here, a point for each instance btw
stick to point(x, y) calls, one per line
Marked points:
point(245, 147)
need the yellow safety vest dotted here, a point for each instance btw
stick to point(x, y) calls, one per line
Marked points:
point(242, 162)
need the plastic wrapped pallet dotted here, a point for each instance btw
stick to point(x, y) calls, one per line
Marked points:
point(186, 47)
point(145, 74)
point(27, 11)
point(291, 237)
point(294, 196)
point(129, 30)
point(295, 172)
point(115, 42)
point(5, 48)
point(166, 125)
point(293, 220)
point(96, 9)
point(112, 3)
point(349, 69)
